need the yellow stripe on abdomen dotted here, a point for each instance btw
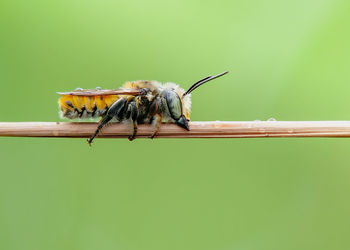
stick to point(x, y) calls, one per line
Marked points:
point(110, 99)
point(72, 107)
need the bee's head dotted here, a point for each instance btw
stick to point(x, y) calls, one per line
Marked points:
point(179, 101)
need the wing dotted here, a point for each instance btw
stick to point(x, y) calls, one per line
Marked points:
point(99, 92)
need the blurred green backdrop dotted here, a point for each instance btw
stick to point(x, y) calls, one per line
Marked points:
point(287, 59)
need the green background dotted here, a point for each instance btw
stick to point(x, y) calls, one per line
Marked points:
point(287, 59)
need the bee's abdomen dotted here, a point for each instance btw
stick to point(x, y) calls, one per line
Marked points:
point(84, 107)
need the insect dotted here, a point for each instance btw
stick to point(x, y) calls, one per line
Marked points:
point(137, 102)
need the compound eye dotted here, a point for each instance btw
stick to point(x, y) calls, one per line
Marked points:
point(174, 104)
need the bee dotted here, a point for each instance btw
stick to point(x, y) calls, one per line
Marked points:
point(136, 102)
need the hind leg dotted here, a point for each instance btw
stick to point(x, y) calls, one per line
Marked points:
point(114, 111)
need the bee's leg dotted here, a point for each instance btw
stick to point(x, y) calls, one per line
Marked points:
point(132, 125)
point(103, 122)
point(155, 115)
point(157, 121)
point(131, 116)
point(134, 131)
point(114, 111)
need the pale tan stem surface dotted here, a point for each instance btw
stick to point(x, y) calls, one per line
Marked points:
point(217, 129)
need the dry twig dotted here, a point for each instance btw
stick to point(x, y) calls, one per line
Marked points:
point(217, 129)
